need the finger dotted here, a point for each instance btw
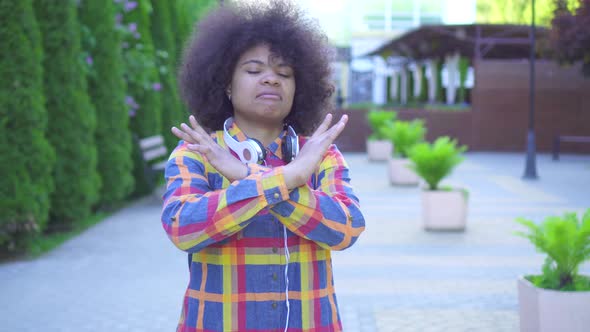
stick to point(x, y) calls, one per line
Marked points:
point(182, 135)
point(196, 126)
point(198, 148)
point(323, 126)
point(191, 132)
point(338, 127)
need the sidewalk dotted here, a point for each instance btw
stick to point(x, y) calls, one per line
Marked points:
point(401, 278)
point(125, 275)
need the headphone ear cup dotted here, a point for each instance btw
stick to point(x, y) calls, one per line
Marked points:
point(261, 150)
point(287, 149)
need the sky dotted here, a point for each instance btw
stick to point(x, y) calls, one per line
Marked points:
point(342, 20)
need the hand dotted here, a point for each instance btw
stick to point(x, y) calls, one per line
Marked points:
point(201, 142)
point(297, 172)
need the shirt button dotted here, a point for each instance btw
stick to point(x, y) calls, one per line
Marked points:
point(274, 276)
point(274, 305)
point(275, 250)
point(276, 195)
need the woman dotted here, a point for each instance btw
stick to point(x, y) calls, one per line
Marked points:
point(256, 204)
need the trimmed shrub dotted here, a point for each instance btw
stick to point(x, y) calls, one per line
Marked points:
point(172, 113)
point(26, 157)
point(565, 240)
point(399, 89)
point(141, 72)
point(72, 119)
point(187, 13)
point(379, 120)
point(433, 162)
point(423, 85)
point(410, 87)
point(143, 81)
point(404, 135)
point(440, 90)
point(102, 43)
point(463, 68)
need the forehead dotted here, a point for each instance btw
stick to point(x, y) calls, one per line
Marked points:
point(262, 53)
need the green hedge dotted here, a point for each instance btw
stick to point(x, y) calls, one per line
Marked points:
point(410, 86)
point(143, 82)
point(172, 112)
point(440, 97)
point(26, 157)
point(107, 88)
point(463, 68)
point(141, 72)
point(423, 85)
point(72, 119)
point(187, 13)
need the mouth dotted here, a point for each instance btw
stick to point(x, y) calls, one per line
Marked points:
point(269, 96)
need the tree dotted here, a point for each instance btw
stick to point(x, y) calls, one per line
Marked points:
point(570, 34)
point(72, 118)
point(514, 11)
point(26, 157)
point(102, 44)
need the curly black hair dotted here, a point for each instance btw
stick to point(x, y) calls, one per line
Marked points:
point(229, 31)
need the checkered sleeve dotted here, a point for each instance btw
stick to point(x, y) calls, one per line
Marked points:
point(326, 210)
point(195, 216)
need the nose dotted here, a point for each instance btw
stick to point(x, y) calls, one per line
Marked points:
point(271, 79)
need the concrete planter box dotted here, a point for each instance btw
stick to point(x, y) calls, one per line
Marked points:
point(545, 310)
point(379, 150)
point(401, 174)
point(444, 210)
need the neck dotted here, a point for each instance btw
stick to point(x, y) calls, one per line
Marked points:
point(265, 133)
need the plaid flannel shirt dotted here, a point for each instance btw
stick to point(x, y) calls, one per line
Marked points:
point(234, 232)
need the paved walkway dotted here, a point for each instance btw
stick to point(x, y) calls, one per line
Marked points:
point(125, 275)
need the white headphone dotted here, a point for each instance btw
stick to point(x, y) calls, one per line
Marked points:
point(252, 150)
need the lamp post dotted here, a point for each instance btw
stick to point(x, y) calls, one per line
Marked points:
point(530, 171)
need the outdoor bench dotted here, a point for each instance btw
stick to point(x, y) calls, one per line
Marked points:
point(569, 139)
point(152, 148)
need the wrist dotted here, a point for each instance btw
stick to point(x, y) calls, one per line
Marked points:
point(239, 174)
point(292, 177)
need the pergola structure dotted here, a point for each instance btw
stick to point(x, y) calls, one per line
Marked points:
point(476, 41)
point(420, 53)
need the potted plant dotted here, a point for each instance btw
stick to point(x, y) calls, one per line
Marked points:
point(379, 148)
point(403, 135)
point(443, 208)
point(559, 298)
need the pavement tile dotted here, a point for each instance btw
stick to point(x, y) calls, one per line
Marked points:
point(124, 274)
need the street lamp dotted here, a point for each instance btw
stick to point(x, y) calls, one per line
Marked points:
point(530, 171)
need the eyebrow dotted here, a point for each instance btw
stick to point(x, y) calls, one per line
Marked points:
point(258, 62)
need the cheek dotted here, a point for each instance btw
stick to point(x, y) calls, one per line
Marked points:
point(292, 89)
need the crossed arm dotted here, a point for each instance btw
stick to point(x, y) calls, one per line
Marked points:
point(323, 209)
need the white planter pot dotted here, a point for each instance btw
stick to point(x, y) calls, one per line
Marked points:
point(545, 310)
point(379, 150)
point(444, 210)
point(401, 174)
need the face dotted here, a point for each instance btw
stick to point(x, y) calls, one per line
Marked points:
point(262, 88)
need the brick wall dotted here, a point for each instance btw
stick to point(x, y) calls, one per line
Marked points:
point(498, 120)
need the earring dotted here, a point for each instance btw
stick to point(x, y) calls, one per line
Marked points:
point(228, 94)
